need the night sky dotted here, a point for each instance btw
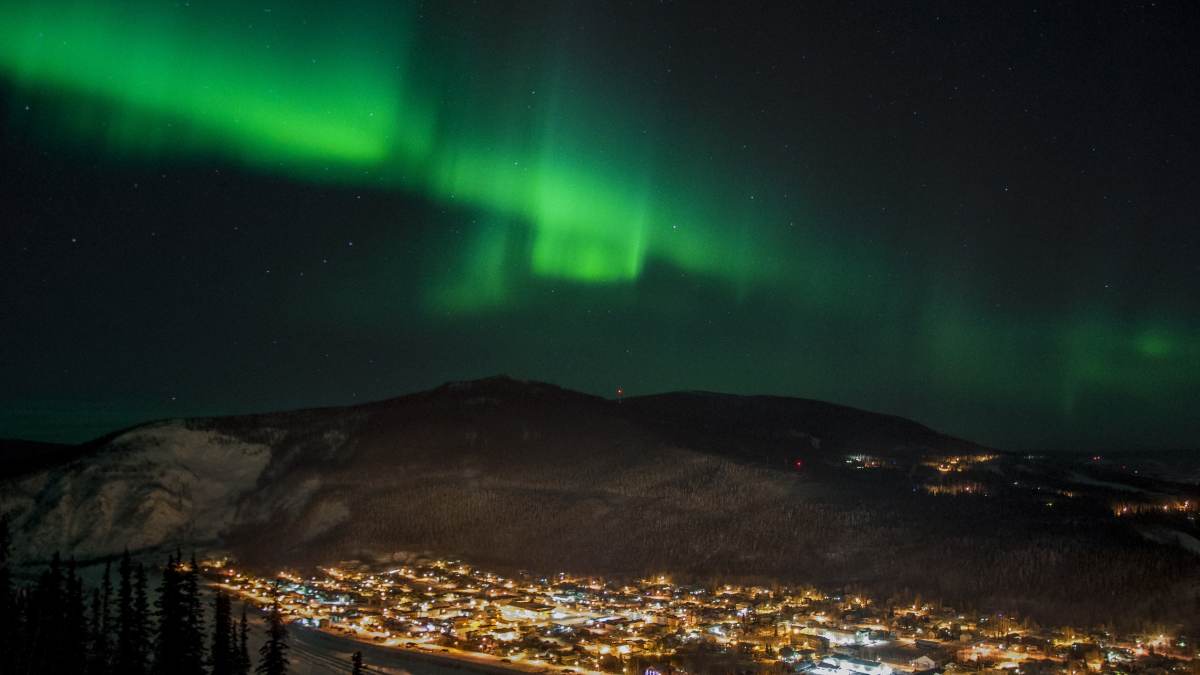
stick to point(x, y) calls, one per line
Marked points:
point(983, 219)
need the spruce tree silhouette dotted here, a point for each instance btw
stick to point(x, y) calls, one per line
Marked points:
point(273, 658)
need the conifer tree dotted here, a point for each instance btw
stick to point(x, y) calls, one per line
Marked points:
point(243, 644)
point(141, 624)
point(44, 618)
point(273, 658)
point(22, 640)
point(192, 609)
point(74, 638)
point(107, 624)
point(125, 653)
point(168, 638)
point(223, 656)
point(98, 649)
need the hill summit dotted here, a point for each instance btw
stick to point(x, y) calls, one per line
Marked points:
point(528, 474)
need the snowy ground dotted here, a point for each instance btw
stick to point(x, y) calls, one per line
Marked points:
point(155, 485)
point(314, 652)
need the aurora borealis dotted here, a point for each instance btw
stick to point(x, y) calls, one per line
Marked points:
point(358, 110)
point(219, 207)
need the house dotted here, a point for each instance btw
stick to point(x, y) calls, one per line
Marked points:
point(852, 664)
point(840, 664)
point(526, 611)
point(921, 664)
point(840, 637)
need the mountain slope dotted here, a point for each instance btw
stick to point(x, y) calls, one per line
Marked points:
point(523, 474)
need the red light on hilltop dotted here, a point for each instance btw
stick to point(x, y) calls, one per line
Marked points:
point(798, 464)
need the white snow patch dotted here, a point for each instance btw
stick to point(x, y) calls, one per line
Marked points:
point(1081, 479)
point(152, 486)
point(325, 516)
point(1170, 536)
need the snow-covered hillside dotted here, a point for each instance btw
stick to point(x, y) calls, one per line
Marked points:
point(154, 485)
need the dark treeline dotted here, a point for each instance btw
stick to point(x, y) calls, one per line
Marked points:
point(54, 626)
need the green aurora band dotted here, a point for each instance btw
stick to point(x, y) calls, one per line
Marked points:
point(154, 79)
point(571, 183)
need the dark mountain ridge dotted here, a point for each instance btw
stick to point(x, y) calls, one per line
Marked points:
point(22, 457)
point(527, 474)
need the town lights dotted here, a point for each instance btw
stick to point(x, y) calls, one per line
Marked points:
point(625, 619)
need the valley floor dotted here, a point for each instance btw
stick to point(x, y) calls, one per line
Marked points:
point(318, 652)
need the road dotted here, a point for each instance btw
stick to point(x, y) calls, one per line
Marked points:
point(317, 652)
